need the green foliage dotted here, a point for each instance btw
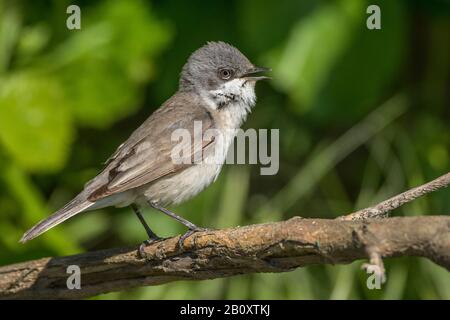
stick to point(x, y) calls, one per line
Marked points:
point(49, 85)
point(35, 121)
point(363, 115)
point(111, 58)
point(314, 45)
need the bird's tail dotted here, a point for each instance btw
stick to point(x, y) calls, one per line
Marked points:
point(77, 205)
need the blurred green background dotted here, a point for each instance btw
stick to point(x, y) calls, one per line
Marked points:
point(363, 115)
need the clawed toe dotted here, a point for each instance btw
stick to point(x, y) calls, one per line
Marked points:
point(189, 233)
point(148, 242)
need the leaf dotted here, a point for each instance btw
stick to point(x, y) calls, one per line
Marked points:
point(366, 70)
point(104, 67)
point(10, 24)
point(315, 44)
point(100, 92)
point(36, 128)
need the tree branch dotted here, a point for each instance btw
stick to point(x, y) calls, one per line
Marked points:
point(382, 209)
point(271, 247)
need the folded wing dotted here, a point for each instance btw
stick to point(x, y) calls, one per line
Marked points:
point(148, 154)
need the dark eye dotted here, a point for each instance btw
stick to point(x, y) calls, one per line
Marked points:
point(225, 74)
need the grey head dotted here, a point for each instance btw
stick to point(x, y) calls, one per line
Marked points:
point(216, 64)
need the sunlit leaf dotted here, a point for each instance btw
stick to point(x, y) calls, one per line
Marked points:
point(105, 64)
point(36, 128)
point(315, 44)
point(368, 68)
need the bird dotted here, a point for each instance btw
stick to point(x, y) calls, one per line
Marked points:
point(216, 89)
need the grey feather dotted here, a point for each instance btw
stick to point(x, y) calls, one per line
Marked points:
point(77, 205)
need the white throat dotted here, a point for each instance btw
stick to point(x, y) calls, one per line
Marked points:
point(233, 101)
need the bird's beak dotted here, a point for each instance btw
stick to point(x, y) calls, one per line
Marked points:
point(250, 74)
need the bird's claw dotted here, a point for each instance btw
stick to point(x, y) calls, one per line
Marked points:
point(189, 233)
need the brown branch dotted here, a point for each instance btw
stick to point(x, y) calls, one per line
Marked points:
point(382, 209)
point(273, 247)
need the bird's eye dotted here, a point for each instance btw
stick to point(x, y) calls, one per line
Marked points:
point(225, 74)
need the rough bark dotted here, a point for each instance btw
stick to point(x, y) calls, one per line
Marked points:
point(271, 247)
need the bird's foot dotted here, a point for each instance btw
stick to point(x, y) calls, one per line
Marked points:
point(189, 233)
point(145, 244)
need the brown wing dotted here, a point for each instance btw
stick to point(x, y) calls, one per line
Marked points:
point(147, 155)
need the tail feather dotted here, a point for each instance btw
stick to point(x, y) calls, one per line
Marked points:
point(68, 211)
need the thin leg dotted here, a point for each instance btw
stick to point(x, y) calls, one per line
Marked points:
point(192, 227)
point(151, 235)
point(187, 223)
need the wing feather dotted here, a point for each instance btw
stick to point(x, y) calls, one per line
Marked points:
point(147, 155)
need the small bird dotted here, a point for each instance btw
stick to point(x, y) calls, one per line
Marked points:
point(217, 89)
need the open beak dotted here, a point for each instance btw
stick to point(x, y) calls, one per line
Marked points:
point(251, 74)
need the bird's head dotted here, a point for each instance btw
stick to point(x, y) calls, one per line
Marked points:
point(221, 72)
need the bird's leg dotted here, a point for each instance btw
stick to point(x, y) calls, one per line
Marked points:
point(151, 235)
point(192, 227)
point(187, 223)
